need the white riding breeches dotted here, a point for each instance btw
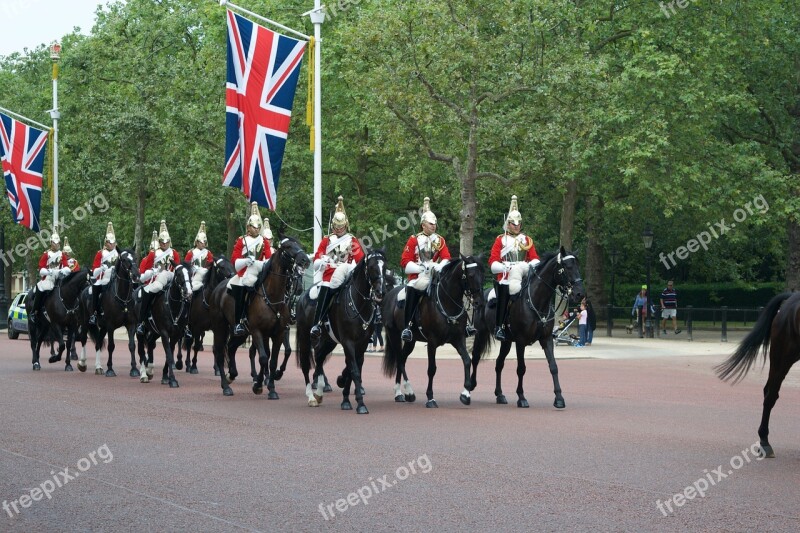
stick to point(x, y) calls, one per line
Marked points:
point(515, 277)
point(161, 281)
point(421, 283)
point(46, 284)
point(197, 278)
point(250, 275)
point(340, 274)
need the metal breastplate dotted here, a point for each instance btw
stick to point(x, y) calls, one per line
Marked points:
point(110, 258)
point(53, 260)
point(252, 246)
point(516, 251)
point(340, 252)
point(164, 260)
point(198, 257)
point(427, 246)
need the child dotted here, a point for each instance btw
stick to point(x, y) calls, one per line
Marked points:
point(582, 325)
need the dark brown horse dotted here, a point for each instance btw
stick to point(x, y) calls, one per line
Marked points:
point(118, 311)
point(776, 330)
point(442, 320)
point(268, 315)
point(531, 318)
point(351, 325)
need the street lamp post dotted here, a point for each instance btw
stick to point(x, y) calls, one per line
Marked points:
point(647, 239)
point(55, 55)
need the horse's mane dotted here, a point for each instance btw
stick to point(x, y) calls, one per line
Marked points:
point(71, 275)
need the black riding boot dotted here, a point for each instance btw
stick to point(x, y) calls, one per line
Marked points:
point(321, 311)
point(144, 311)
point(97, 291)
point(412, 299)
point(238, 310)
point(38, 303)
point(501, 312)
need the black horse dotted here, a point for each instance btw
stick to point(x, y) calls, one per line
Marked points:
point(351, 325)
point(60, 309)
point(268, 315)
point(118, 311)
point(531, 318)
point(442, 319)
point(169, 313)
point(776, 330)
point(199, 320)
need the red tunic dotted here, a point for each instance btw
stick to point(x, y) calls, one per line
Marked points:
point(209, 258)
point(73, 264)
point(411, 253)
point(238, 248)
point(356, 254)
point(149, 262)
point(45, 257)
point(497, 247)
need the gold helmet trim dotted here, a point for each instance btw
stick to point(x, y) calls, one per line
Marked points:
point(163, 234)
point(427, 214)
point(67, 248)
point(514, 216)
point(110, 237)
point(339, 219)
point(255, 216)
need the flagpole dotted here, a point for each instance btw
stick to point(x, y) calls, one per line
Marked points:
point(265, 19)
point(55, 54)
point(24, 118)
point(317, 18)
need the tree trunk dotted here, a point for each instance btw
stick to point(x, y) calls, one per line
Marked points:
point(593, 273)
point(568, 214)
point(793, 256)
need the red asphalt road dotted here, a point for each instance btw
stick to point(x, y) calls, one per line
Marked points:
point(634, 431)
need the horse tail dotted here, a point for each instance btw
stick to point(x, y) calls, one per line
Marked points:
point(391, 355)
point(482, 343)
point(738, 364)
point(94, 333)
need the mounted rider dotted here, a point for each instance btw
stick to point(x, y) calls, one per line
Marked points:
point(424, 252)
point(105, 261)
point(52, 265)
point(157, 270)
point(72, 263)
point(266, 232)
point(249, 254)
point(513, 253)
point(337, 255)
point(200, 258)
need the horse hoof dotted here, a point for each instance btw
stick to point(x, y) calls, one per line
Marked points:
point(346, 406)
point(179, 365)
point(144, 379)
point(502, 399)
point(559, 403)
point(340, 382)
point(164, 381)
point(278, 375)
point(37, 366)
point(81, 367)
point(767, 451)
point(400, 398)
point(216, 373)
point(68, 368)
point(258, 389)
point(110, 373)
point(227, 391)
point(134, 372)
point(522, 403)
point(173, 384)
point(318, 398)
point(98, 372)
point(313, 402)
point(362, 410)
point(466, 400)
point(411, 398)
point(273, 395)
point(327, 388)
point(194, 370)
point(431, 404)
point(54, 359)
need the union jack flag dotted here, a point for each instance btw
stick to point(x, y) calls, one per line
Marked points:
point(263, 67)
point(22, 150)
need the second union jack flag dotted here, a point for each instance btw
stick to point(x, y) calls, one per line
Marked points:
point(22, 151)
point(263, 67)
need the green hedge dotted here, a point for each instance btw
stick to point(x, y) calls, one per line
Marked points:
point(734, 295)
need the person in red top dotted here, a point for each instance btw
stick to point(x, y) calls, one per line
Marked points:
point(337, 255)
point(249, 254)
point(158, 269)
point(423, 252)
point(512, 254)
point(72, 263)
point(52, 265)
point(104, 262)
point(200, 258)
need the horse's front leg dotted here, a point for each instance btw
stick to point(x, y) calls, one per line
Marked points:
point(168, 375)
point(431, 403)
point(142, 349)
point(521, 401)
point(287, 351)
point(131, 329)
point(110, 364)
point(253, 351)
point(317, 387)
point(547, 346)
point(505, 347)
point(275, 348)
point(258, 377)
point(355, 363)
point(461, 347)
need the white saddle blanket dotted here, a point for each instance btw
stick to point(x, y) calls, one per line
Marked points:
point(401, 296)
point(492, 296)
point(313, 292)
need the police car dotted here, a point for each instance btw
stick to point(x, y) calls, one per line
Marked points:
point(17, 317)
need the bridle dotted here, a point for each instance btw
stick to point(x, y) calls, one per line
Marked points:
point(563, 287)
point(465, 288)
point(293, 272)
point(373, 297)
point(124, 256)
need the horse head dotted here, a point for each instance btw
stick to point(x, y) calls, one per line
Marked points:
point(375, 262)
point(223, 268)
point(568, 276)
point(127, 270)
point(472, 278)
point(184, 280)
point(291, 254)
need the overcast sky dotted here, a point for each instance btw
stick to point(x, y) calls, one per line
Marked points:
point(29, 23)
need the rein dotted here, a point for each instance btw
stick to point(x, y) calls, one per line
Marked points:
point(452, 319)
point(563, 288)
point(351, 309)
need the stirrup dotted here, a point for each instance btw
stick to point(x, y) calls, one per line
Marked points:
point(93, 319)
point(140, 328)
point(499, 334)
point(407, 335)
point(239, 330)
point(316, 331)
point(471, 330)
